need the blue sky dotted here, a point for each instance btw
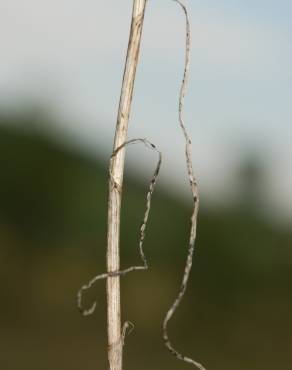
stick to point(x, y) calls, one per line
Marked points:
point(69, 55)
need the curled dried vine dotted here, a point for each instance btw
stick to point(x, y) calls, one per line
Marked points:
point(195, 195)
point(144, 266)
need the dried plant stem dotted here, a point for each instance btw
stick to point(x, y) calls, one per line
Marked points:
point(115, 342)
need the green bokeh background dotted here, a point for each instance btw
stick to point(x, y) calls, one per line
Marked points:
point(236, 313)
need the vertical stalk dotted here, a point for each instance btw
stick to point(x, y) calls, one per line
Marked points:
point(115, 345)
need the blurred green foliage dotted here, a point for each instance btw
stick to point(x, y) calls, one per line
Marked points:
point(53, 199)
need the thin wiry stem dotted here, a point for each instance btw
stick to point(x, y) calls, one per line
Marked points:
point(144, 266)
point(195, 195)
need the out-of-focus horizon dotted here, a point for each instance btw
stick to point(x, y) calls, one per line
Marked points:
point(68, 57)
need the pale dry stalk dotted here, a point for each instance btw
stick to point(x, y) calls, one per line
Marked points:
point(115, 342)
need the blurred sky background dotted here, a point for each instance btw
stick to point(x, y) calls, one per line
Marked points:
point(68, 57)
